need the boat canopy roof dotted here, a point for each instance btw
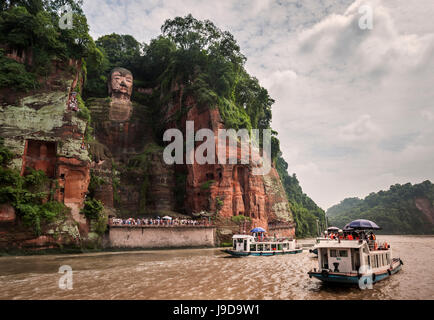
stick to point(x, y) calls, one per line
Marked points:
point(342, 244)
point(242, 236)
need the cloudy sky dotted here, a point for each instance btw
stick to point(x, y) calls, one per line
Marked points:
point(354, 108)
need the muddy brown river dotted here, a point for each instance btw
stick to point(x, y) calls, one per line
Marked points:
point(208, 274)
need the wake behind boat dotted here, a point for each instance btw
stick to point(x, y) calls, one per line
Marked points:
point(358, 259)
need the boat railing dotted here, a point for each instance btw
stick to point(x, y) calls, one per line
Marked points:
point(376, 245)
point(273, 239)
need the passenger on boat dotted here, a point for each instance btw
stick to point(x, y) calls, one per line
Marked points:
point(350, 237)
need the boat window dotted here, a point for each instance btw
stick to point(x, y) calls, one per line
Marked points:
point(343, 253)
point(369, 261)
point(240, 240)
point(376, 261)
point(260, 247)
point(388, 258)
point(382, 260)
point(235, 244)
point(333, 253)
point(253, 247)
point(273, 247)
point(267, 247)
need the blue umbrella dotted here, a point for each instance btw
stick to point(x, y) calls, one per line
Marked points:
point(259, 229)
point(362, 224)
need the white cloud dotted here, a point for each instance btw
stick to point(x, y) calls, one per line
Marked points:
point(354, 108)
point(361, 130)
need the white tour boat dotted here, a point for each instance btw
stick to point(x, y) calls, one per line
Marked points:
point(354, 261)
point(246, 245)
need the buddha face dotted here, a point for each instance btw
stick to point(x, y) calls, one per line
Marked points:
point(121, 84)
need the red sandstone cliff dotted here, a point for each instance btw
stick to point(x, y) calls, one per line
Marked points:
point(233, 189)
point(45, 134)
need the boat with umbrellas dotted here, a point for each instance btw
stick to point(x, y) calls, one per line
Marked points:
point(331, 232)
point(257, 244)
point(355, 256)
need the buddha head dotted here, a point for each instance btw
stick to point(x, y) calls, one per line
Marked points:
point(120, 84)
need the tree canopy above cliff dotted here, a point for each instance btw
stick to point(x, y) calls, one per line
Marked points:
point(32, 26)
point(403, 209)
point(198, 57)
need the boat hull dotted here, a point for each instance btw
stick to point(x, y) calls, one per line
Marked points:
point(353, 279)
point(265, 254)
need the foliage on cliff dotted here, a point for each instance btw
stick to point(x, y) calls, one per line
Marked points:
point(199, 60)
point(14, 75)
point(394, 210)
point(27, 194)
point(94, 209)
point(32, 26)
point(305, 211)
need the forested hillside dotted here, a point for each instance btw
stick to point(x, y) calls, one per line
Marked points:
point(305, 211)
point(403, 209)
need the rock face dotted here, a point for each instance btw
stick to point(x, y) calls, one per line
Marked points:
point(7, 213)
point(426, 206)
point(45, 134)
point(146, 185)
point(232, 190)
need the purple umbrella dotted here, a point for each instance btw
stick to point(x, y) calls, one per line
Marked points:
point(362, 224)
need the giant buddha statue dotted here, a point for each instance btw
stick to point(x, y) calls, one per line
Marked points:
point(121, 134)
point(112, 118)
point(120, 87)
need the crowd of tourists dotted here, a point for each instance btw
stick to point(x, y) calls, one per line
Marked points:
point(369, 236)
point(73, 102)
point(159, 222)
point(352, 235)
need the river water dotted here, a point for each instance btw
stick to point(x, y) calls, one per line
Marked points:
point(208, 274)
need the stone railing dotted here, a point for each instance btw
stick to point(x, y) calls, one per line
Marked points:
point(282, 225)
point(162, 225)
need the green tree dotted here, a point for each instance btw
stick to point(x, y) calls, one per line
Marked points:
point(395, 210)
